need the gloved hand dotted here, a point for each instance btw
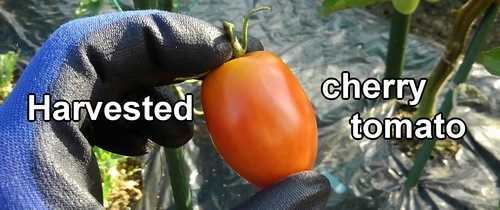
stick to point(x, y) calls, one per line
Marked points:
point(122, 56)
point(304, 190)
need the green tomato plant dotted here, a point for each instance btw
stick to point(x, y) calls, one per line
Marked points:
point(400, 22)
point(491, 61)
point(454, 49)
point(7, 68)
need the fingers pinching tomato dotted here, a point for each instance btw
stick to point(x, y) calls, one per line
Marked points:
point(259, 118)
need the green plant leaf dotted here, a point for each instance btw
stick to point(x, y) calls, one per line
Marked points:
point(331, 6)
point(491, 61)
point(107, 185)
point(107, 160)
point(7, 67)
point(89, 7)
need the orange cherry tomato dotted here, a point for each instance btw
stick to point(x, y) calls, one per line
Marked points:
point(259, 118)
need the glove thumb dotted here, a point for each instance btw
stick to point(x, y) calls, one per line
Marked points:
point(304, 190)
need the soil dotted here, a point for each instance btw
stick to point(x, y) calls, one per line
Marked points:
point(127, 186)
point(443, 148)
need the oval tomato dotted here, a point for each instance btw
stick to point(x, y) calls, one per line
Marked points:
point(259, 118)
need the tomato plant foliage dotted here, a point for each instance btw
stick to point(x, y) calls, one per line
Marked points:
point(492, 61)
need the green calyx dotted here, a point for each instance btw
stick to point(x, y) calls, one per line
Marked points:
point(240, 49)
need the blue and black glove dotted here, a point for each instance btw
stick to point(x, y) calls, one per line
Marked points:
point(123, 56)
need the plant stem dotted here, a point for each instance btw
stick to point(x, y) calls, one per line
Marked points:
point(169, 5)
point(238, 49)
point(175, 157)
point(244, 31)
point(476, 44)
point(421, 158)
point(145, 4)
point(178, 178)
point(454, 48)
point(471, 54)
point(400, 26)
point(117, 5)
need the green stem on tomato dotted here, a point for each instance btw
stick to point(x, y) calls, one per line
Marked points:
point(400, 26)
point(470, 56)
point(244, 31)
point(237, 49)
point(240, 49)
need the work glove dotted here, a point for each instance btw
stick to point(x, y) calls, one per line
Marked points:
point(124, 56)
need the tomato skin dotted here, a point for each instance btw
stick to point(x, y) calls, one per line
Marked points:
point(259, 118)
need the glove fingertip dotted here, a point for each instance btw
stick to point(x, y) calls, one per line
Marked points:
point(304, 190)
point(171, 134)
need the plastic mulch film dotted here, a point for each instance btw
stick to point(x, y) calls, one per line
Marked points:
point(315, 49)
point(373, 171)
